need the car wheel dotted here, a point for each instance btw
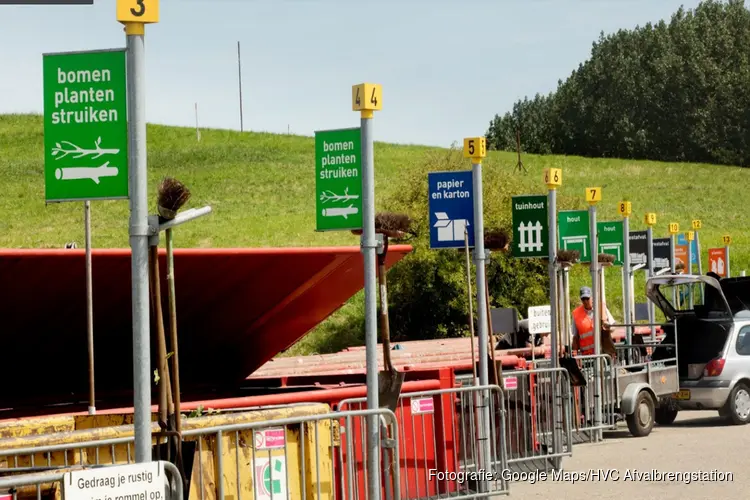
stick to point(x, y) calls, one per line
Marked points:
point(738, 411)
point(641, 421)
point(665, 415)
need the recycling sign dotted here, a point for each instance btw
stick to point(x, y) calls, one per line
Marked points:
point(270, 478)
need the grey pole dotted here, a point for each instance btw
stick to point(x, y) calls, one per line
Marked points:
point(698, 252)
point(673, 264)
point(626, 280)
point(726, 252)
point(480, 257)
point(239, 84)
point(89, 304)
point(596, 293)
point(369, 249)
point(139, 233)
point(690, 268)
point(650, 258)
point(554, 307)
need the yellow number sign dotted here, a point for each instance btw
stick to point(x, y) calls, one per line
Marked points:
point(727, 239)
point(138, 11)
point(553, 177)
point(367, 97)
point(593, 194)
point(697, 224)
point(650, 219)
point(690, 235)
point(475, 147)
point(626, 208)
point(674, 227)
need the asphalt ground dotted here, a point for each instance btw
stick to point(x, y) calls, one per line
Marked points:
point(713, 457)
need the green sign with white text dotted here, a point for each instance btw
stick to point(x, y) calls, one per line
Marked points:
point(338, 180)
point(611, 240)
point(85, 126)
point(530, 226)
point(573, 232)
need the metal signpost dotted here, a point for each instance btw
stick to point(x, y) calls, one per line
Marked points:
point(476, 149)
point(575, 232)
point(451, 203)
point(625, 209)
point(690, 237)
point(593, 196)
point(368, 98)
point(650, 220)
point(135, 14)
point(674, 228)
point(85, 143)
point(553, 180)
point(697, 225)
point(338, 179)
point(727, 241)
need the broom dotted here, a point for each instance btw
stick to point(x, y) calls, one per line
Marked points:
point(172, 195)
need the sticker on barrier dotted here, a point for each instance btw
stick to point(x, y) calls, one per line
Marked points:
point(145, 481)
point(269, 439)
point(421, 406)
point(510, 383)
point(270, 478)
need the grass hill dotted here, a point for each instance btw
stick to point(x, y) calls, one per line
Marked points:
point(261, 188)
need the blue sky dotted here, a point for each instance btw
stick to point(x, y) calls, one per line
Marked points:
point(446, 66)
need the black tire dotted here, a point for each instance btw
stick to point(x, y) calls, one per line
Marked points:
point(665, 415)
point(641, 421)
point(737, 410)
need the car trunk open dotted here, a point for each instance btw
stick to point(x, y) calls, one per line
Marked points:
point(702, 330)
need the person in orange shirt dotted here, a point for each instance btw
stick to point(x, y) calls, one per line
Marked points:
point(583, 323)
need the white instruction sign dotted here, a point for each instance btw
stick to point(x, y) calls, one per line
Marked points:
point(142, 481)
point(540, 319)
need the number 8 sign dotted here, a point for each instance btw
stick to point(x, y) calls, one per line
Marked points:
point(625, 208)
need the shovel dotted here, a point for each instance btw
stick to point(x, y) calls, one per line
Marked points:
point(389, 380)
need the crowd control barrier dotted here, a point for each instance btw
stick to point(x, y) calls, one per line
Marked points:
point(595, 404)
point(288, 457)
point(438, 441)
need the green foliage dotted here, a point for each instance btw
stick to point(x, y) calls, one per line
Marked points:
point(676, 91)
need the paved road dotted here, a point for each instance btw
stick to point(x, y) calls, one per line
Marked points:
point(697, 441)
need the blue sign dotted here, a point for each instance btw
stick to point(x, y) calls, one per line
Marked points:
point(451, 206)
point(682, 240)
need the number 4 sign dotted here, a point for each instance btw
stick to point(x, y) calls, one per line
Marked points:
point(367, 97)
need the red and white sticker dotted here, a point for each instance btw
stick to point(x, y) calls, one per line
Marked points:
point(268, 439)
point(6, 497)
point(510, 383)
point(422, 405)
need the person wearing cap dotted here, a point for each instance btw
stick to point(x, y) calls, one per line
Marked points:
point(583, 323)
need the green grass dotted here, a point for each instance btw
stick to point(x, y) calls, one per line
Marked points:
point(261, 188)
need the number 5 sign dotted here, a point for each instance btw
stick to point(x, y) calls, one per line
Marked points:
point(138, 11)
point(475, 147)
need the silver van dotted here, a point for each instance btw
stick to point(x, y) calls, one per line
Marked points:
point(712, 319)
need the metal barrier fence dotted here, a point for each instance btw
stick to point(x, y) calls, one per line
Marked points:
point(537, 403)
point(52, 481)
point(296, 457)
point(595, 404)
point(439, 441)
